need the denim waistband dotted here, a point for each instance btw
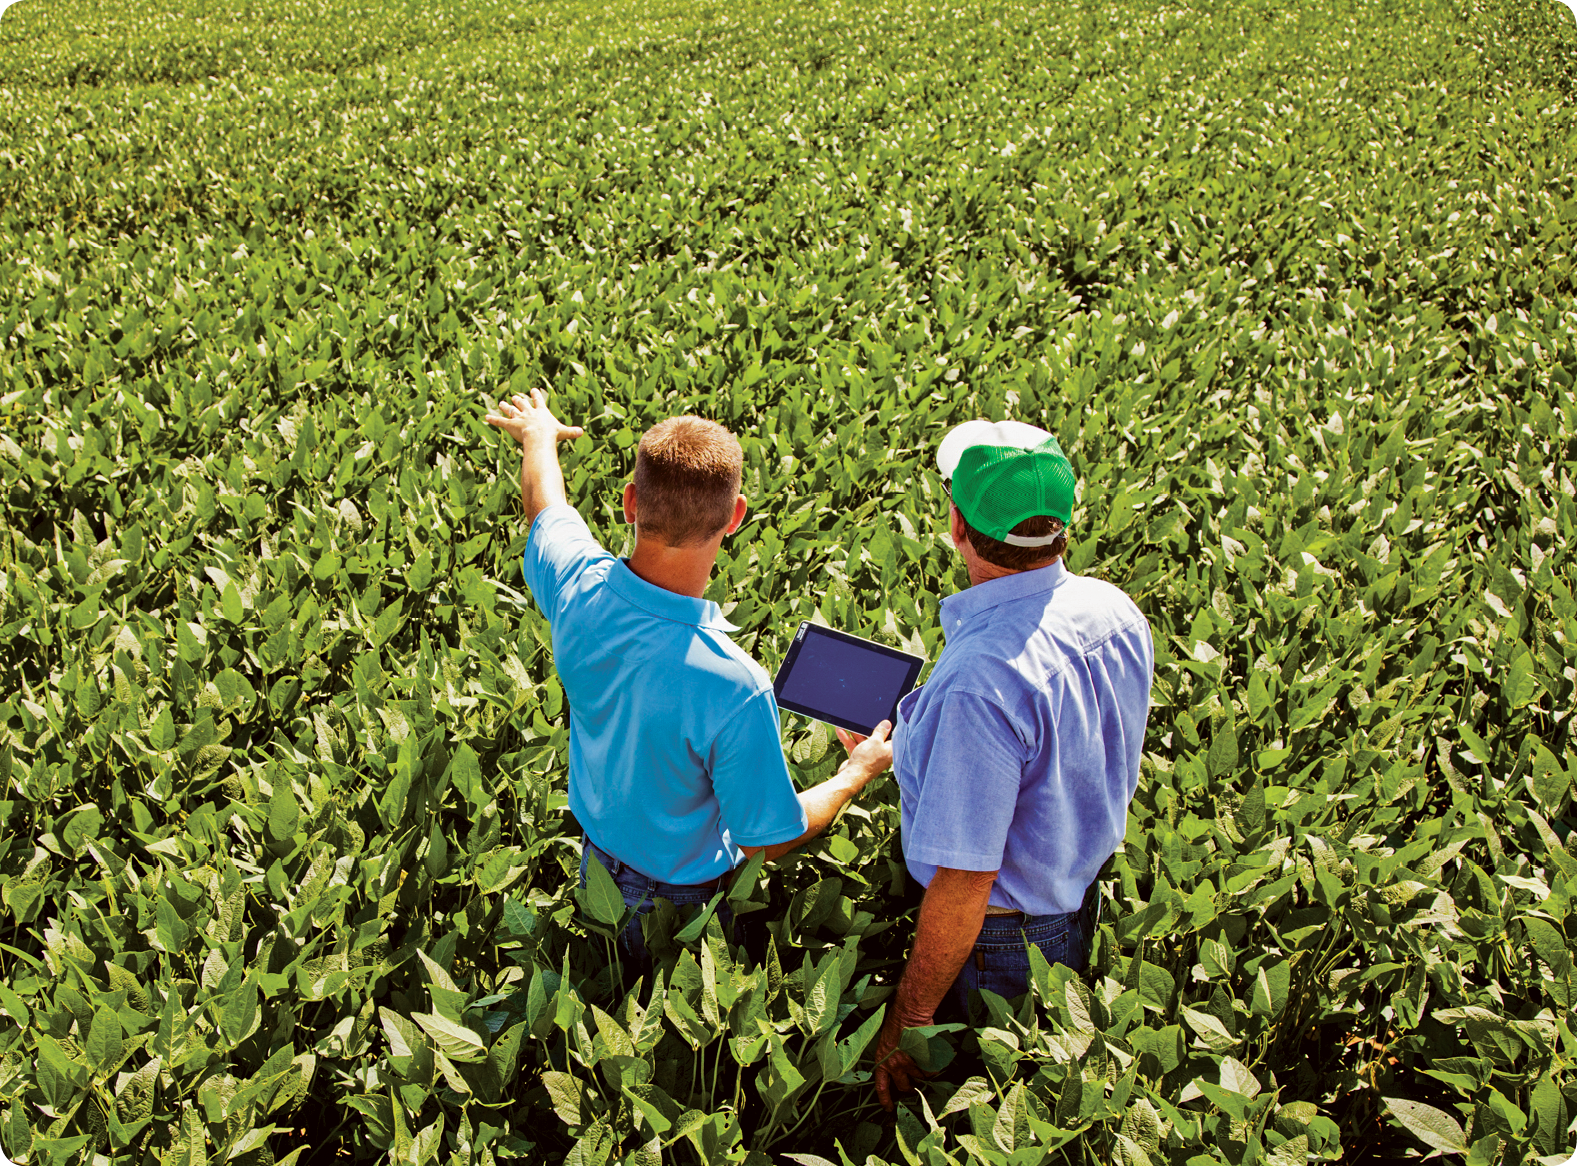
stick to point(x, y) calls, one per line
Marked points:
point(1019, 921)
point(617, 867)
point(1087, 915)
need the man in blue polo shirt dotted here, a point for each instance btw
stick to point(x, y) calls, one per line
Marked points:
point(676, 769)
point(1017, 758)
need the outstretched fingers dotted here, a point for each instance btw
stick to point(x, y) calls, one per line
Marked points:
point(848, 740)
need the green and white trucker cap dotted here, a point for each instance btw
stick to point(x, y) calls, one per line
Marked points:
point(1004, 472)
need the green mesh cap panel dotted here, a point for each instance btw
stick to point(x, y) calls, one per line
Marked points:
point(997, 487)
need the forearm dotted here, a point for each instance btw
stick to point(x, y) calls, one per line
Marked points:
point(821, 804)
point(541, 479)
point(951, 914)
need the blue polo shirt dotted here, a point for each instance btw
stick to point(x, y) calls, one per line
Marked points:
point(1021, 751)
point(675, 761)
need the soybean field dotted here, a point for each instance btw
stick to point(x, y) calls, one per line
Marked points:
point(286, 874)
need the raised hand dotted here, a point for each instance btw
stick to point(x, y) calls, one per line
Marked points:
point(528, 417)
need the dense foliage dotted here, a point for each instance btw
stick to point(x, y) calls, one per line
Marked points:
point(284, 865)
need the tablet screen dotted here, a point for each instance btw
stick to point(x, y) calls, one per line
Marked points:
point(843, 679)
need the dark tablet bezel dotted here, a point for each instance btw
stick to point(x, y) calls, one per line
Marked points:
point(806, 629)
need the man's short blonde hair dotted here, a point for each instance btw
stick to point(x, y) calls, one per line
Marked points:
point(687, 475)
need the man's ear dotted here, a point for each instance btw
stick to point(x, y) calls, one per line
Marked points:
point(740, 506)
point(957, 527)
point(629, 503)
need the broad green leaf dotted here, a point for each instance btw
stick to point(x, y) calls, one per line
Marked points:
point(1235, 1076)
point(1521, 684)
point(162, 736)
point(241, 1012)
point(1208, 1029)
point(104, 1040)
point(601, 897)
point(284, 812)
point(1222, 758)
point(420, 576)
point(1434, 1127)
point(566, 1095)
point(458, 1042)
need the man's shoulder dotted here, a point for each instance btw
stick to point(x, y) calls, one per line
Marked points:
point(557, 524)
point(728, 665)
point(1094, 609)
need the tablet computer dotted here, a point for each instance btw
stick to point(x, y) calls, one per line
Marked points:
point(841, 679)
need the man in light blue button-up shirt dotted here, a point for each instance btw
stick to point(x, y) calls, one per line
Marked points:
point(1017, 758)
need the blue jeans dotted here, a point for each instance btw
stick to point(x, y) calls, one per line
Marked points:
point(639, 891)
point(1000, 961)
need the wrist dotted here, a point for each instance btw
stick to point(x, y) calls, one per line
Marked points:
point(539, 441)
point(856, 775)
point(907, 1014)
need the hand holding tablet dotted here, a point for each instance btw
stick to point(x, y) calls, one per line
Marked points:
point(844, 680)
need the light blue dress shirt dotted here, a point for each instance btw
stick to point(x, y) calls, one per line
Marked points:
point(675, 761)
point(1021, 752)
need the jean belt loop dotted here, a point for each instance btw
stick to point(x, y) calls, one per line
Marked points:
point(614, 865)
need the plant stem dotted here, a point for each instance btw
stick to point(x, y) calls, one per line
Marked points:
point(815, 1097)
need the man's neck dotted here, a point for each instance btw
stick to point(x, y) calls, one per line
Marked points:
point(682, 570)
point(981, 571)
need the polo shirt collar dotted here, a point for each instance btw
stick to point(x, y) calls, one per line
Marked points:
point(665, 604)
point(982, 597)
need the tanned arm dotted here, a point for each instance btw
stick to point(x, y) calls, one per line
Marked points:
point(869, 757)
point(529, 421)
point(951, 913)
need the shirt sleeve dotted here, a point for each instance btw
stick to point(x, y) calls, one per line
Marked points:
point(751, 780)
point(559, 547)
point(970, 787)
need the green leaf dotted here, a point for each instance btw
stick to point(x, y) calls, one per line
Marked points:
point(284, 812)
point(420, 577)
point(1209, 1029)
point(1235, 1076)
point(601, 897)
point(465, 774)
point(436, 859)
point(1292, 1152)
point(13, 1006)
point(1434, 1127)
point(19, 1132)
point(241, 1013)
point(424, 1147)
point(230, 602)
point(1257, 696)
point(566, 1095)
point(1222, 759)
point(1521, 684)
point(170, 929)
point(655, 1120)
point(388, 622)
point(458, 1042)
point(1271, 984)
point(104, 1043)
point(162, 736)
point(83, 827)
point(849, 1050)
point(746, 877)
